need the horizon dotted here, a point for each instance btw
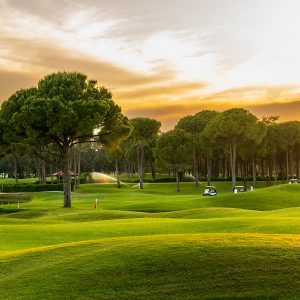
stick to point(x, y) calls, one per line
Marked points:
point(163, 60)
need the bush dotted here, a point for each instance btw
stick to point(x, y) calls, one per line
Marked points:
point(84, 177)
point(166, 179)
point(29, 187)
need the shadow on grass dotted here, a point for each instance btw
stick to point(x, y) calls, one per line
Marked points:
point(4, 210)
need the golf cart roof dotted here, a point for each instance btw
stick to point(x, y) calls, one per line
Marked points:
point(239, 186)
point(210, 186)
point(294, 179)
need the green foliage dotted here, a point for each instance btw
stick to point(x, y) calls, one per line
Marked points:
point(289, 133)
point(16, 188)
point(281, 137)
point(234, 128)
point(144, 135)
point(235, 123)
point(254, 146)
point(196, 124)
point(270, 119)
point(144, 129)
point(67, 108)
point(174, 149)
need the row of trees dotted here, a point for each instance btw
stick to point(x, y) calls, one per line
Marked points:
point(68, 123)
point(219, 145)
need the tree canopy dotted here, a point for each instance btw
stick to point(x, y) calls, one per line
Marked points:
point(145, 130)
point(173, 149)
point(67, 109)
point(194, 126)
point(232, 127)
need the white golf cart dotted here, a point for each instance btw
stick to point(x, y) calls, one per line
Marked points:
point(210, 190)
point(294, 180)
point(239, 189)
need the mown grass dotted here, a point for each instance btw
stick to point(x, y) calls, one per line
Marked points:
point(157, 267)
point(152, 244)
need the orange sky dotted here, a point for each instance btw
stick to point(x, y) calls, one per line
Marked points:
point(163, 59)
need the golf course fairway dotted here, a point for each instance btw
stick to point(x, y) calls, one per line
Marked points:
point(152, 244)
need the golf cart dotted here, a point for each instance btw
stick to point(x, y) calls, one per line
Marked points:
point(294, 180)
point(239, 189)
point(210, 190)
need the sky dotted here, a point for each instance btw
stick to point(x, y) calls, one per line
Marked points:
point(163, 59)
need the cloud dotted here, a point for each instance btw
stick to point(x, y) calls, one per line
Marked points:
point(11, 81)
point(247, 95)
point(89, 31)
point(154, 93)
point(38, 59)
point(262, 101)
point(159, 63)
point(286, 111)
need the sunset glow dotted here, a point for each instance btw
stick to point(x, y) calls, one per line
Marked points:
point(162, 59)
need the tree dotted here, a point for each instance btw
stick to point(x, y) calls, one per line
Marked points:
point(144, 131)
point(290, 140)
point(76, 159)
point(253, 147)
point(194, 126)
point(270, 119)
point(203, 118)
point(173, 149)
point(67, 109)
point(13, 140)
point(116, 155)
point(232, 127)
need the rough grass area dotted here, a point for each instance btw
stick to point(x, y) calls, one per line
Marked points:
point(152, 244)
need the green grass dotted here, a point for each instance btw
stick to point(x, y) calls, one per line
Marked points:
point(152, 244)
point(13, 181)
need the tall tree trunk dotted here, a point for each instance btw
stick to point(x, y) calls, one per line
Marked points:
point(153, 170)
point(51, 171)
point(291, 161)
point(78, 168)
point(177, 181)
point(245, 173)
point(127, 171)
point(195, 162)
point(233, 161)
point(253, 171)
point(43, 172)
point(287, 165)
point(268, 174)
point(169, 173)
point(75, 167)
point(37, 168)
point(117, 173)
point(263, 169)
point(66, 176)
point(275, 169)
point(131, 171)
point(298, 163)
point(208, 162)
point(15, 168)
point(223, 168)
point(141, 167)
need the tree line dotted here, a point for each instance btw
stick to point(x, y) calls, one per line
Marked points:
point(69, 123)
point(219, 145)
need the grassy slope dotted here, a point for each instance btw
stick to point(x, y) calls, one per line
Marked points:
point(156, 267)
point(152, 244)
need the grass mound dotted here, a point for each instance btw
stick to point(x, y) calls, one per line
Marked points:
point(157, 267)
